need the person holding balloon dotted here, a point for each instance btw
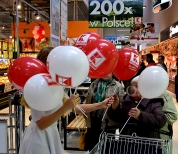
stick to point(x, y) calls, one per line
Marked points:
point(100, 96)
point(42, 136)
point(146, 114)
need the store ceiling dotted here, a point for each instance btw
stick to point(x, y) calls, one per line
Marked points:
point(7, 7)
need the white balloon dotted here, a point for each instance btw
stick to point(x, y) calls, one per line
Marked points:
point(68, 66)
point(43, 94)
point(153, 82)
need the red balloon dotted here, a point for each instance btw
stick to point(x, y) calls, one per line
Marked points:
point(128, 64)
point(102, 56)
point(39, 32)
point(41, 28)
point(41, 36)
point(21, 69)
point(86, 38)
point(38, 40)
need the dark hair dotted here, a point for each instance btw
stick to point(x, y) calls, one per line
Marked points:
point(43, 54)
point(161, 57)
point(149, 55)
point(127, 43)
point(151, 24)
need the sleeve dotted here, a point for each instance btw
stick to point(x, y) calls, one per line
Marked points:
point(156, 118)
point(114, 114)
point(37, 115)
point(120, 91)
point(169, 108)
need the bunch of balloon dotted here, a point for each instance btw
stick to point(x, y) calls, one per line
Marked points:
point(28, 74)
point(128, 64)
point(38, 33)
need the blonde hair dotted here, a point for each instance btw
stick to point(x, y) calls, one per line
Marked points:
point(23, 102)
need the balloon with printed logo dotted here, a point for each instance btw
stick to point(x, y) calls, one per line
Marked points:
point(21, 69)
point(68, 66)
point(86, 38)
point(102, 56)
point(128, 64)
point(42, 93)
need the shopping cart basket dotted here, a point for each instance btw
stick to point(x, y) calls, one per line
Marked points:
point(125, 144)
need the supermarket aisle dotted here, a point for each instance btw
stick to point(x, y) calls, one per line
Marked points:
point(175, 136)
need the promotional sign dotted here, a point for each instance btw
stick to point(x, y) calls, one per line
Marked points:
point(115, 13)
point(116, 40)
point(161, 5)
point(174, 30)
point(145, 36)
point(55, 22)
point(64, 19)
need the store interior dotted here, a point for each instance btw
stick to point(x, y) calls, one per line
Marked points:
point(23, 43)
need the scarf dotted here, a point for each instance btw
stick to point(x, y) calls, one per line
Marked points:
point(100, 93)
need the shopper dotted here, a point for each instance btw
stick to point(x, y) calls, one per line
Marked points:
point(42, 136)
point(95, 107)
point(149, 60)
point(161, 62)
point(144, 119)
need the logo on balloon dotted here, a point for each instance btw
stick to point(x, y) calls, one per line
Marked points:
point(134, 59)
point(47, 65)
point(64, 81)
point(49, 80)
point(95, 58)
point(83, 39)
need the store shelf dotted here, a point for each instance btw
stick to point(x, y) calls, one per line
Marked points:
point(2, 72)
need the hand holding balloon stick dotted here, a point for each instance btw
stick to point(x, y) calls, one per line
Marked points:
point(114, 93)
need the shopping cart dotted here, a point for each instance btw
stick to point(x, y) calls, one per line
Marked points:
point(125, 144)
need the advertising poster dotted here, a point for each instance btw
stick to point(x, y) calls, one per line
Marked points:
point(64, 19)
point(160, 5)
point(146, 35)
point(116, 40)
point(115, 13)
point(55, 22)
point(27, 44)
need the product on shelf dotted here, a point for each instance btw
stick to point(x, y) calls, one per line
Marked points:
point(4, 64)
point(5, 85)
point(28, 55)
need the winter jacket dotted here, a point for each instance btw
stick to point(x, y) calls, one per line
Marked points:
point(152, 116)
point(170, 111)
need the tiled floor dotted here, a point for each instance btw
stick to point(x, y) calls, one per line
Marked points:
point(175, 128)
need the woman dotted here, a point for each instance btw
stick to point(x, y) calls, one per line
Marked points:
point(95, 106)
point(147, 116)
point(42, 136)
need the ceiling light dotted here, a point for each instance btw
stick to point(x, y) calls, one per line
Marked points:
point(10, 36)
point(19, 6)
point(144, 7)
point(2, 27)
point(37, 16)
